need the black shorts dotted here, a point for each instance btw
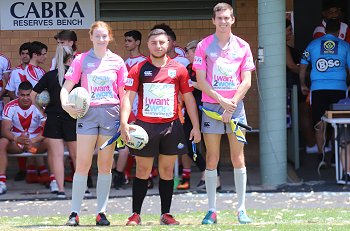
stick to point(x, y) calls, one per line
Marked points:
point(321, 100)
point(58, 127)
point(165, 138)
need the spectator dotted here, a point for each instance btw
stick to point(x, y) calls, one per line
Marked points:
point(66, 38)
point(331, 10)
point(5, 69)
point(21, 131)
point(292, 73)
point(187, 159)
point(125, 161)
point(329, 58)
point(60, 127)
point(17, 76)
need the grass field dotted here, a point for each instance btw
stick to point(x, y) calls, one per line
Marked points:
point(285, 219)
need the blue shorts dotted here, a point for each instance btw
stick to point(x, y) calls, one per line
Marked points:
point(213, 126)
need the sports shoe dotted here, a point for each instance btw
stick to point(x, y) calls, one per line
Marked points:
point(20, 175)
point(101, 220)
point(184, 185)
point(243, 217)
point(134, 219)
point(201, 184)
point(210, 218)
point(61, 195)
point(3, 188)
point(168, 219)
point(73, 220)
point(53, 186)
point(87, 193)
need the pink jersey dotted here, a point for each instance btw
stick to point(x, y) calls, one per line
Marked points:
point(17, 76)
point(223, 66)
point(33, 73)
point(100, 77)
point(5, 66)
point(23, 120)
point(130, 62)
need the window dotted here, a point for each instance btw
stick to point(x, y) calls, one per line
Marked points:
point(118, 10)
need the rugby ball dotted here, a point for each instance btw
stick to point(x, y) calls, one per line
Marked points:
point(79, 97)
point(138, 137)
point(43, 99)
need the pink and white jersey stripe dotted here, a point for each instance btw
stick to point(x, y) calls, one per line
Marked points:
point(132, 61)
point(223, 66)
point(100, 77)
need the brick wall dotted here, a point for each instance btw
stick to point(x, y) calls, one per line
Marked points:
point(187, 30)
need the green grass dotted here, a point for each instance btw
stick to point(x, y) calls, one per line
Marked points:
point(277, 219)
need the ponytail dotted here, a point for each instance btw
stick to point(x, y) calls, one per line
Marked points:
point(63, 54)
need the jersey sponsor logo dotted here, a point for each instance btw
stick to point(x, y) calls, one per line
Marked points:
point(329, 47)
point(147, 73)
point(90, 64)
point(306, 55)
point(322, 65)
point(172, 73)
point(197, 60)
point(129, 82)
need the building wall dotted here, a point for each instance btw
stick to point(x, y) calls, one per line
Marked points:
point(186, 30)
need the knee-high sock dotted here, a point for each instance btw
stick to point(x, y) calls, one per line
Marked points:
point(139, 191)
point(78, 189)
point(241, 185)
point(103, 187)
point(210, 184)
point(166, 190)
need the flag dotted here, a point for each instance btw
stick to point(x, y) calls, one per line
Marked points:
point(235, 128)
point(115, 138)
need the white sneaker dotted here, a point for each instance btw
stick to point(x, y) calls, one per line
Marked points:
point(54, 186)
point(3, 188)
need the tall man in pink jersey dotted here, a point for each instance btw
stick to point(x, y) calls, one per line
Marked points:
point(158, 81)
point(21, 131)
point(223, 63)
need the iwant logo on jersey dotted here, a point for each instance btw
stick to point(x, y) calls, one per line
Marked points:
point(329, 47)
point(172, 73)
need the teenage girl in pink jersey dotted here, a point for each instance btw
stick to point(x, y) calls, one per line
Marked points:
point(102, 74)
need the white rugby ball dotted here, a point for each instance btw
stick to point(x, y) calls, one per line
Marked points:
point(43, 99)
point(80, 97)
point(138, 138)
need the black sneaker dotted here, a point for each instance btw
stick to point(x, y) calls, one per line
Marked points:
point(101, 220)
point(61, 195)
point(201, 184)
point(89, 182)
point(73, 220)
point(118, 180)
point(20, 175)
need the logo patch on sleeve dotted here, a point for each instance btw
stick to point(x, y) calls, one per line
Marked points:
point(197, 60)
point(129, 82)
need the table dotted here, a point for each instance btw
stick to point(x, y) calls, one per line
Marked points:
point(336, 122)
